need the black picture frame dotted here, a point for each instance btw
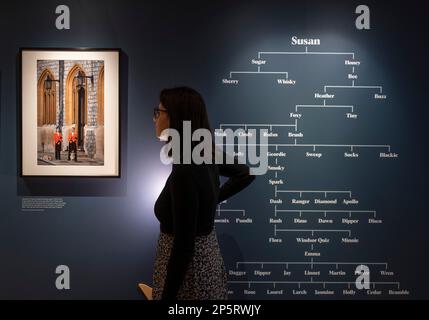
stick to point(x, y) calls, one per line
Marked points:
point(116, 102)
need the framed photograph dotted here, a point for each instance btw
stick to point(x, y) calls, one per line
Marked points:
point(70, 112)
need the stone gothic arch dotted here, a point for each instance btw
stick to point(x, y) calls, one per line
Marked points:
point(46, 99)
point(100, 98)
point(100, 116)
point(76, 102)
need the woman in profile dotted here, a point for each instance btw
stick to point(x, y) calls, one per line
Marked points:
point(188, 262)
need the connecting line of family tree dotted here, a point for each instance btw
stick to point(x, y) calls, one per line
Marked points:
point(311, 263)
point(352, 63)
point(306, 52)
point(314, 145)
point(317, 235)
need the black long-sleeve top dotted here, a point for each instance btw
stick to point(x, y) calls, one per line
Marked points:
point(186, 208)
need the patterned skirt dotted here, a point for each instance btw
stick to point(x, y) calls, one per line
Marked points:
point(205, 278)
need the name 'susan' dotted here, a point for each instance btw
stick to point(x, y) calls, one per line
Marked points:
point(305, 41)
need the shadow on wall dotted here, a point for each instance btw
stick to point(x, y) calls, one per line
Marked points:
point(79, 186)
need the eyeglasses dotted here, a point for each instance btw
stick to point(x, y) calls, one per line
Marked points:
point(157, 112)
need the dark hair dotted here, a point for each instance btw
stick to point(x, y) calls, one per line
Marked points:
point(185, 104)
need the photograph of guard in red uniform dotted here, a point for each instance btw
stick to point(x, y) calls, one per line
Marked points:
point(58, 138)
point(73, 142)
point(70, 93)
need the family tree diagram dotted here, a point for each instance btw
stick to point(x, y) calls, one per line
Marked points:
point(310, 220)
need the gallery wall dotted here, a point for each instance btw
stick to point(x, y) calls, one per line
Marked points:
point(106, 232)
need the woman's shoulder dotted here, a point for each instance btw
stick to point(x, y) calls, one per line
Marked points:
point(191, 171)
point(181, 169)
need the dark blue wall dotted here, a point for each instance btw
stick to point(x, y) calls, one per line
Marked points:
point(107, 232)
